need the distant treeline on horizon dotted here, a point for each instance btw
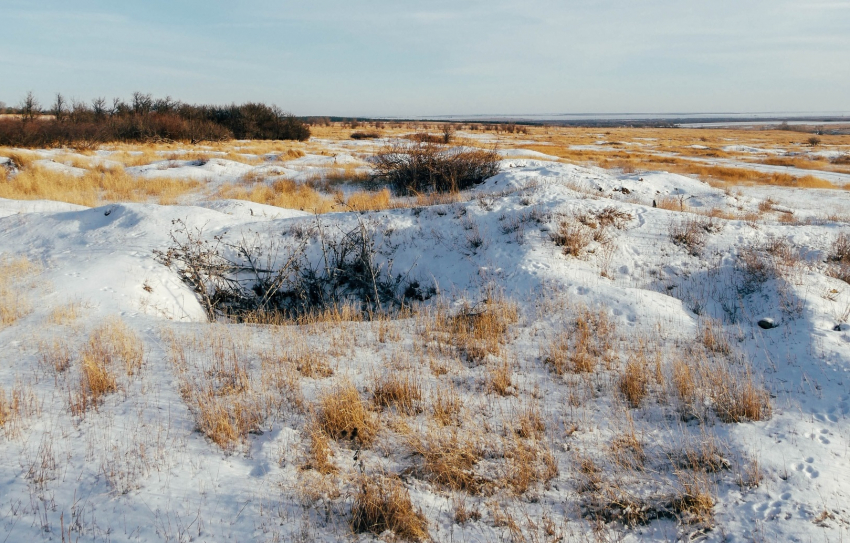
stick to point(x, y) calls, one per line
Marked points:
point(143, 119)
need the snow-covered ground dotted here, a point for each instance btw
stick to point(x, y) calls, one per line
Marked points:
point(136, 468)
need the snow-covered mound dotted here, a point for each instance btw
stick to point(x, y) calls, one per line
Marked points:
point(214, 169)
point(138, 465)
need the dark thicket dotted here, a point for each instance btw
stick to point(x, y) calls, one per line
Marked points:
point(144, 119)
point(423, 166)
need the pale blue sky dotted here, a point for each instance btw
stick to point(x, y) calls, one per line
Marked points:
point(397, 57)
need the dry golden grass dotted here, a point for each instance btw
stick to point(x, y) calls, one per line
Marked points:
point(501, 379)
point(382, 503)
point(402, 391)
point(528, 423)
point(582, 346)
point(14, 302)
point(115, 342)
point(93, 188)
point(66, 313)
point(738, 398)
point(97, 379)
point(573, 237)
point(17, 405)
point(214, 380)
point(528, 463)
point(449, 457)
point(109, 345)
point(55, 354)
point(474, 331)
point(634, 381)
point(342, 414)
point(714, 338)
point(319, 453)
point(9, 408)
point(446, 405)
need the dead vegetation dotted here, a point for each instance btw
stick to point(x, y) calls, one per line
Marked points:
point(583, 345)
point(14, 275)
point(475, 331)
point(111, 347)
point(383, 503)
point(343, 414)
point(423, 167)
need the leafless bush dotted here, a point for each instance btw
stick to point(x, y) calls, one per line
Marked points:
point(365, 135)
point(424, 167)
point(263, 281)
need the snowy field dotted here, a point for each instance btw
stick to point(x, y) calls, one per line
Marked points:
point(595, 355)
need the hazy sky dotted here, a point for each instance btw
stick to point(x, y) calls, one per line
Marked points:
point(398, 57)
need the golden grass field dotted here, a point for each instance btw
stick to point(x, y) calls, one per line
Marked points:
point(699, 153)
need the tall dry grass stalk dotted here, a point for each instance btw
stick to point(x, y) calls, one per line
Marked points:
point(14, 302)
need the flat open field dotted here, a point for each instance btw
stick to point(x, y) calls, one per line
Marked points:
point(624, 334)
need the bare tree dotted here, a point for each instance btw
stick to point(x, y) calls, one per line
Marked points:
point(99, 107)
point(30, 107)
point(59, 108)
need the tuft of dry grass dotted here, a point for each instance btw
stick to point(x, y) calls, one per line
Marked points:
point(738, 398)
point(446, 406)
point(573, 237)
point(342, 414)
point(319, 450)
point(217, 386)
point(65, 313)
point(449, 458)
point(401, 391)
point(55, 354)
point(714, 338)
point(501, 380)
point(382, 503)
point(475, 331)
point(14, 304)
point(634, 381)
point(580, 347)
point(110, 344)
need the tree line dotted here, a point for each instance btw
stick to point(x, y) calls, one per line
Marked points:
point(142, 119)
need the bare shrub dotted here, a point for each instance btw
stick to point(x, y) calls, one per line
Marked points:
point(365, 135)
point(272, 281)
point(382, 503)
point(839, 257)
point(423, 167)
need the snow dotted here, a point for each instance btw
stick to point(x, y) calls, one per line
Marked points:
point(59, 167)
point(188, 489)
